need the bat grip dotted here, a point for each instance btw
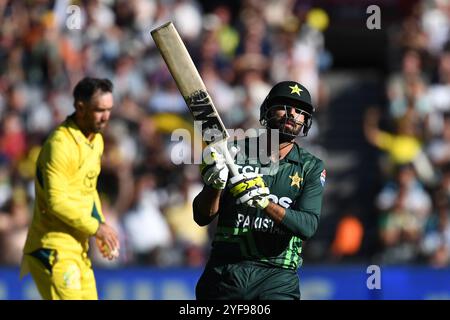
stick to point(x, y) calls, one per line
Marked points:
point(230, 163)
point(228, 159)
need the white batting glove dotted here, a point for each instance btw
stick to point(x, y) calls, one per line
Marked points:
point(250, 189)
point(261, 201)
point(213, 169)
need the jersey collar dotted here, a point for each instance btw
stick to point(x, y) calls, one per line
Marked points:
point(76, 133)
point(293, 155)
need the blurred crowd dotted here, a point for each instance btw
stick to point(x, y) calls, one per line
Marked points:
point(241, 49)
point(47, 46)
point(413, 133)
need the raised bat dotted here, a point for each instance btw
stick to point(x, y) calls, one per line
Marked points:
point(192, 88)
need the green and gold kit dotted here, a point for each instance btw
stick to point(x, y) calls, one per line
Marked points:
point(247, 234)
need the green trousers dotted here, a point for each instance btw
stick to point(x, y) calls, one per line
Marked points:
point(247, 281)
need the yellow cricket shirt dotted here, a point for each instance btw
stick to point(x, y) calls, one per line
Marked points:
point(67, 208)
point(401, 148)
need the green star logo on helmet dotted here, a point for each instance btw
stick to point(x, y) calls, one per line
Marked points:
point(295, 89)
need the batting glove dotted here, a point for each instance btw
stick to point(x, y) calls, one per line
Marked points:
point(250, 189)
point(213, 169)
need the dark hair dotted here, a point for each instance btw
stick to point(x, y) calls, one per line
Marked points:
point(404, 166)
point(87, 87)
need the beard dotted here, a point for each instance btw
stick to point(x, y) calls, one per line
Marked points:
point(97, 127)
point(288, 128)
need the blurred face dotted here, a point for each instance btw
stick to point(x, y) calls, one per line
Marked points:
point(406, 176)
point(446, 129)
point(444, 64)
point(411, 63)
point(95, 114)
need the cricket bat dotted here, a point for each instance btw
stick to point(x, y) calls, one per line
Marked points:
point(192, 88)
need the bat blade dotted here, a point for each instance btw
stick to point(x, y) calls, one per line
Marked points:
point(192, 88)
point(189, 82)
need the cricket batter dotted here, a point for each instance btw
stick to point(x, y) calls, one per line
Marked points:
point(263, 216)
point(67, 208)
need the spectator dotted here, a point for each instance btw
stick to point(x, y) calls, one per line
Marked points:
point(14, 220)
point(401, 147)
point(145, 226)
point(405, 206)
point(435, 244)
point(189, 236)
point(12, 138)
point(439, 147)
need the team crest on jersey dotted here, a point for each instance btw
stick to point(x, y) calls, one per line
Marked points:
point(89, 179)
point(323, 177)
point(72, 277)
point(295, 180)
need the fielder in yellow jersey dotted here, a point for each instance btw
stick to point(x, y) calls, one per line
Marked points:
point(67, 208)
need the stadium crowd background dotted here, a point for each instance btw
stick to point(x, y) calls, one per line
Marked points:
point(395, 211)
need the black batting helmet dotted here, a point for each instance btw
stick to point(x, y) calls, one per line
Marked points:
point(288, 94)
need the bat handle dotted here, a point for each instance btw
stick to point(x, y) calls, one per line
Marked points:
point(230, 163)
point(228, 159)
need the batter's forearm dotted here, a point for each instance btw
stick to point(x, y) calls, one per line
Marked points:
point(206, 205)
point(301, 224)
point(275, 212)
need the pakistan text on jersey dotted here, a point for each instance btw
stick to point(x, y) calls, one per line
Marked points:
point(262, 224)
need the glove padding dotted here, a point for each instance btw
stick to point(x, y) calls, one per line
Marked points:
point(250, 189)
point(213, 169)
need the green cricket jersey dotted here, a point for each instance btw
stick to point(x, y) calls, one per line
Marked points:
point(246, 233)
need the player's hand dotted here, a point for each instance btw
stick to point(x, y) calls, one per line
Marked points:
point(250, 189)
point(106, 252)
point(107, 241)
point(213, 169)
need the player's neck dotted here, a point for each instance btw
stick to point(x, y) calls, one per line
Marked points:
point(88, 134)
point(284, 147)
